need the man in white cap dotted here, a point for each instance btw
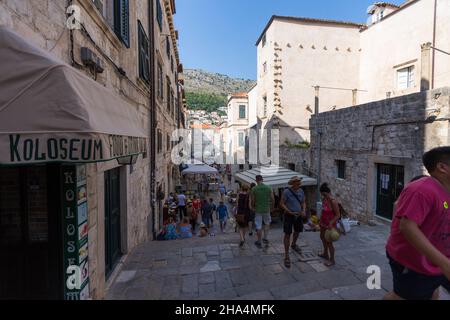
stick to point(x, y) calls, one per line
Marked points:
point(293, 202)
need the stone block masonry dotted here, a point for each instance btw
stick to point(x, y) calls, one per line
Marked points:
point(394, 131)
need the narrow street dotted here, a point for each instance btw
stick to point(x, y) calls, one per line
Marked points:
point(216, 268)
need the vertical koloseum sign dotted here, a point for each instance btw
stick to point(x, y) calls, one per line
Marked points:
point(75, 231)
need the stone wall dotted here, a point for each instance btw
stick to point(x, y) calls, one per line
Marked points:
point(291, 155)
point(394, 131)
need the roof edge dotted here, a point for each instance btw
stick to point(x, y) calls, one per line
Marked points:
point(309, 20)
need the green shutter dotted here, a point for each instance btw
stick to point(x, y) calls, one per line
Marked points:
point(159, 14)
point(144, 59)
point(242, 112)
point(122, 20)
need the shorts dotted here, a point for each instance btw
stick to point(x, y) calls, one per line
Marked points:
point(292, 222)
point(260, 217)
point(411, 285)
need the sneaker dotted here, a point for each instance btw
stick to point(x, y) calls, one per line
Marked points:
point(258, 244)
point(265, 241)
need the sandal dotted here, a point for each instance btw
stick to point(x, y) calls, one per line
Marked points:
point(296, 248)
point(287, 263)
point(329, 263)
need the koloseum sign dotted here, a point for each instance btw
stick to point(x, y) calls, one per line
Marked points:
point(70, 148)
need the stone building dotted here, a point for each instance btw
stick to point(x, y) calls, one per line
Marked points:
point(369, 152)
point(237, 126)
point(346, 63)
point(168, 100)
point(104, 47)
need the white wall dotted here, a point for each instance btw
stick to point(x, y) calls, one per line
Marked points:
point(252, 106)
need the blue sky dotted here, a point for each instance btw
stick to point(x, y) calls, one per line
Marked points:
point(220, 35)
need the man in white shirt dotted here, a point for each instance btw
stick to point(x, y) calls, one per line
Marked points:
point(181, 201)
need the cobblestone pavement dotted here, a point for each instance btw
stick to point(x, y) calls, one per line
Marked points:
point(216, 268)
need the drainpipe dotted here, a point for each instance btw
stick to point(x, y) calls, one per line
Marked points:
point(434, 45)
point(319, 147)
point(152, 119)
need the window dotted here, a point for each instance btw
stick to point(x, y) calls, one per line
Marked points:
point(242, 111)
point(168, 94)
point(340, 164)
point(264, 67)
point(172, 101)
point(159, 14)
point(168, 46)
point(241, 141)
point(160, 82)
point(159, 141)
point(144, 58)
point(122, 21)
point(168, 143)
point(99, 5)
point(264, 40)
point(405, 78)
point(265, 106)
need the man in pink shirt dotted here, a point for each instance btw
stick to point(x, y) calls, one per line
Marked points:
point(419, 245)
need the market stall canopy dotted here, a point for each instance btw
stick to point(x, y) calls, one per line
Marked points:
point(50, 112)
point(274, 176)
point(199, 169)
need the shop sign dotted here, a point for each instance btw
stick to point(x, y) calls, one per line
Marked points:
point(68, 148)
point(75, 231)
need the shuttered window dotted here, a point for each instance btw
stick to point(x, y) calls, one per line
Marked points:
point(144, 58)
point(159, 14)
point(160, 82)
point(168, 46)
point(242, 112)
point(159, 140)
point(99, 5)
point(405, 78)
point(122, 20)
point(168, 94)
point(172, 101)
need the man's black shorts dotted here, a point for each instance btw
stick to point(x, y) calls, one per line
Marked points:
point(411, 285)
point(292, 222)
